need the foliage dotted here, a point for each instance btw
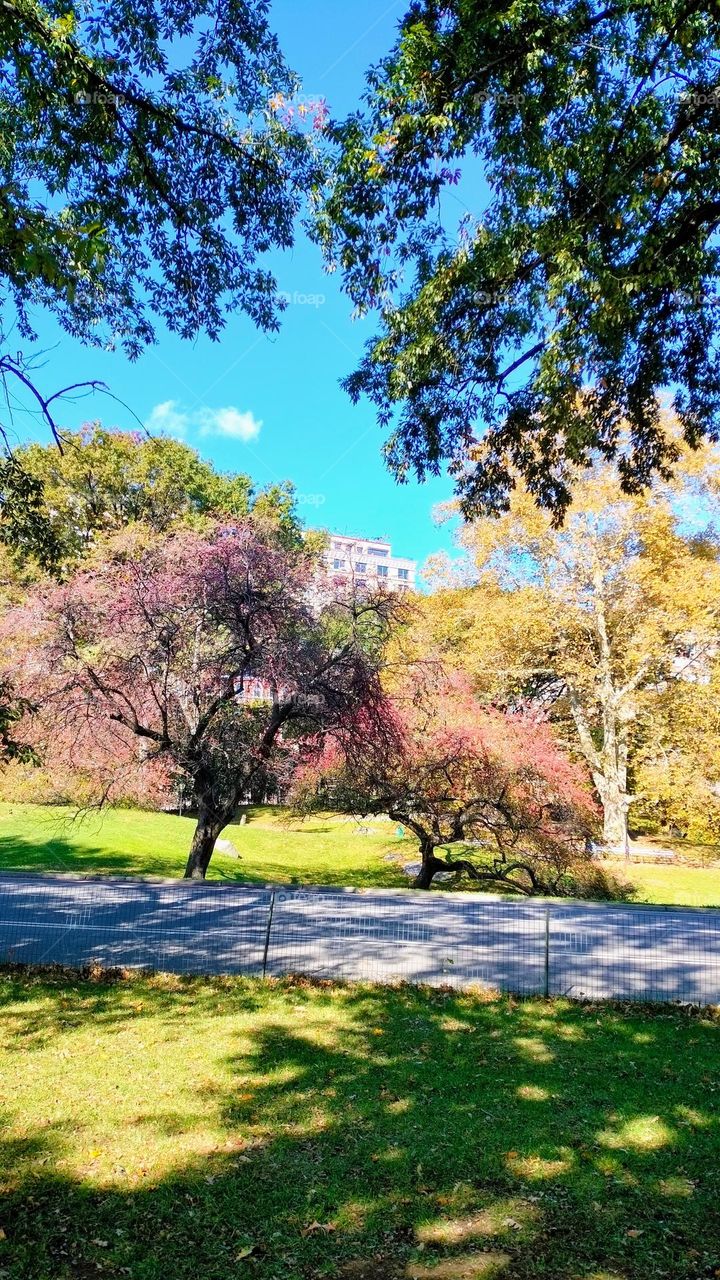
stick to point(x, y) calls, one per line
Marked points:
point(13, 709)
point(675, 768)
point(599, 624)
point(144, 173)
point(581, 277)
point(104, 480)
point(455, 773)
point(295, 1129)
point(24, 523)
point(208, 653)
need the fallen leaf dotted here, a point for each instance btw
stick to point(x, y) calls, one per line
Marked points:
point(318, 1226)
point(634, 1231)
point(245, 1252)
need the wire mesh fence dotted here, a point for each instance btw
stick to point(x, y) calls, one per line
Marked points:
point(456, 939)
point(178, 927)
point(606, 951)
point(582, 950)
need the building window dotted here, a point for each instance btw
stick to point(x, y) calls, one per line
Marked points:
point(377, 551)
point(403, 575)
point(382, 571)
point(338, 564)
point(361, 566)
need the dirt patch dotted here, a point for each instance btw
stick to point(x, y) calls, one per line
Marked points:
point(379, 1268)
point(472, 1266)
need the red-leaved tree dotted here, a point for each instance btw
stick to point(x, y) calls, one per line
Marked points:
point(212, 655)
point(456, 773)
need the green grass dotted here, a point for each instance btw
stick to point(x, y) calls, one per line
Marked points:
point(325, 849)
point(167, 1128)
point(681, 885)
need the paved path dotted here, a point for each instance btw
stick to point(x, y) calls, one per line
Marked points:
point(578, 949)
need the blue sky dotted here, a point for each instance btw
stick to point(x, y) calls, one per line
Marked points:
point(272, 406)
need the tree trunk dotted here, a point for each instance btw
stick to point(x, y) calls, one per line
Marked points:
point(206, 833)
point(614, 802)
point(429, 865)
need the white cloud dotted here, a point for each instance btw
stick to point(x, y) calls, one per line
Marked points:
point(169, 418)
point(229, 422)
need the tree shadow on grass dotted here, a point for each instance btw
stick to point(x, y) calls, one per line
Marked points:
point(369, 1132)
point(109, 1001)
point(59, 853)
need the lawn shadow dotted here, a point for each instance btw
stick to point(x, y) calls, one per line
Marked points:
point(59, 854)
point(396, 1133)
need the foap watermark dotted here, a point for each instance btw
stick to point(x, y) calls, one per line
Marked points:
point(310, 499)
point(698, 299)
point(299, 299)
point(490, 297)
point(99, 98)
point(701, 97)
point(499, 99)
point(300, 109)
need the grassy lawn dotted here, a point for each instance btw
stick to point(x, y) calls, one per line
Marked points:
point(684, 886)
point(322, 850)
point(177, 1128)
point(327, 849)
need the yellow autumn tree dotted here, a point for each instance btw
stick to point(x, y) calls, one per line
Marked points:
point(595, 622)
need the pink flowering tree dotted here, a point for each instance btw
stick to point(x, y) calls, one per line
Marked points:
point(494, 786)
point(205, 657)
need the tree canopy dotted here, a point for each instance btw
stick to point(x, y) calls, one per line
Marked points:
point(580, 143)
point(461, 776)
point(603, 625)
point(145, 173)
point(206, 654)
point(104, 480)
point(143, 170)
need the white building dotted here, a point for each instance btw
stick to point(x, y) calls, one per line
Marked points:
point(369, 562)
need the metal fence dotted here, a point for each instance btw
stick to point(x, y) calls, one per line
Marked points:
point(539, 946)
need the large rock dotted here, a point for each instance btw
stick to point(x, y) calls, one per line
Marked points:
point(413, 869)
point(227, 847)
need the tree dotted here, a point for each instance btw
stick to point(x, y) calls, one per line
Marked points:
point(213, 653)
point(144, 170)
point(25, 528)
point(539, 328)
point(105, 480)
point(674, 766)
point(454, 772)
point(609, 614)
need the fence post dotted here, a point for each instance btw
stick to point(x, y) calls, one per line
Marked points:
point(547, 952)
point(267, 933)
